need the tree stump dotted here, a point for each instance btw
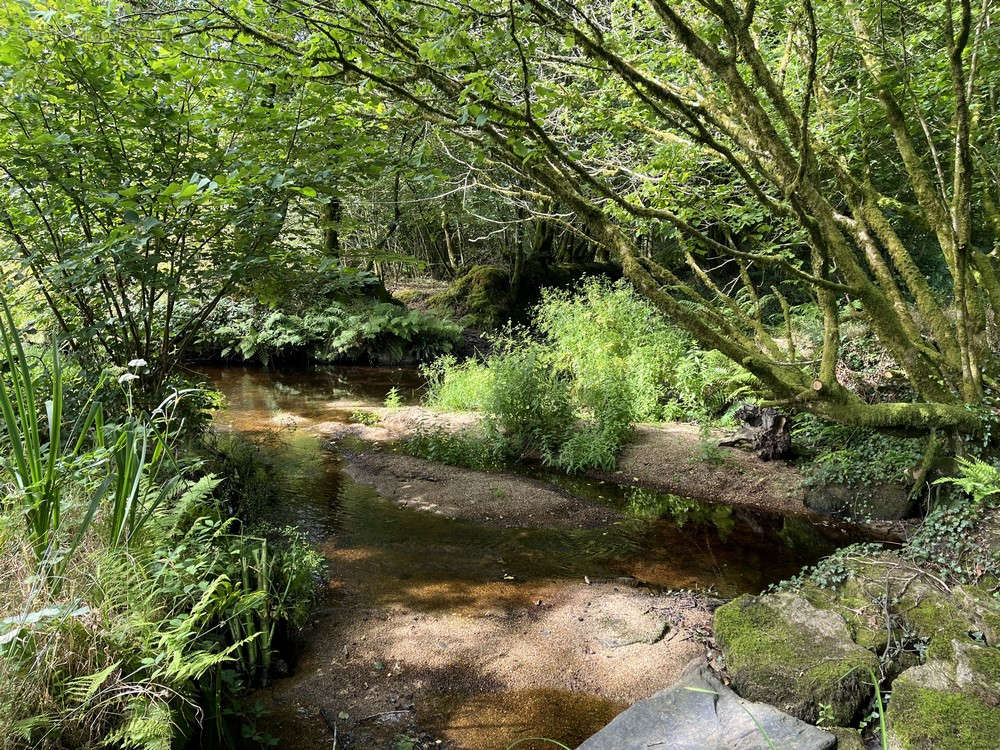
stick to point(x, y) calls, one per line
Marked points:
point(766, 431)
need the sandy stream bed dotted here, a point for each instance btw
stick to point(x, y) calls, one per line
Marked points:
point(420, 648)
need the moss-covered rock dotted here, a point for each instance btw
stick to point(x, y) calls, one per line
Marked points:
point(847, 738)
point(852, 601)
point(982, 608)
point(945, 705)
point(780, 649)
point(889, 606)
point(935, 617)
point(977, 671)
point(482, 296)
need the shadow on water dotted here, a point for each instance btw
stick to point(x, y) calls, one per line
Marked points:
point(666, 541)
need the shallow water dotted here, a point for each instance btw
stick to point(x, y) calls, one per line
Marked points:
point(693, 545)
point(453, 579)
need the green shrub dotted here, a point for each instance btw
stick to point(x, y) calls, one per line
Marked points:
point(601, 331)
point(607, 425)
point(528, 406)
point(598, 359)
point(466, 449)
point(365, 417)
point(455, 386)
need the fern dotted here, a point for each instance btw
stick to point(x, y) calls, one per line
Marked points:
point(82, 689)
point(149, 725)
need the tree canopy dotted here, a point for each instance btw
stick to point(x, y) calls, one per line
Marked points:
point(738, 161)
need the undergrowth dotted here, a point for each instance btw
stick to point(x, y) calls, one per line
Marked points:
point(836, 453)
point(326, 330)
point(134, 609)
point(594, 361)
point(466, 449)
point(950, 540)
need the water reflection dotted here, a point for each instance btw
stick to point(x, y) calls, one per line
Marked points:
point(664, 540)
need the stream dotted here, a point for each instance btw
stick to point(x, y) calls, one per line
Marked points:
point(437, 630)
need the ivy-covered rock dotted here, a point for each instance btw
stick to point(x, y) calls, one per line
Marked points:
point(948, 704)
point(780, 649)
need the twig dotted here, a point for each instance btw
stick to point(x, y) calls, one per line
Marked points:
point(385, 713)
point(331, 725)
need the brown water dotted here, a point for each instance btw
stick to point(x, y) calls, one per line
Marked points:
point(693, 545)
point(445, 625)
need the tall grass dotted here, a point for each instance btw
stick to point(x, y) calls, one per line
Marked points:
point(457, 386)
point(37, 452)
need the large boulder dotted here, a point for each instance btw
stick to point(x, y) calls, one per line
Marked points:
point(881, 501)
point(780, 649)
point(698, 712)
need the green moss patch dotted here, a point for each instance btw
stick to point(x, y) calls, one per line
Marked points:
point(779, 649)
point(933, 719)
point(482, 296)
point(864, 621)
point(935, 617)
point(983, 609)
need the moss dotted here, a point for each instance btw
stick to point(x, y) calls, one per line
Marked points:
point(847, 738)
point(780, 650)
point(851, 602)
point(922, 717)
point(986, 662)
point(983, 608)
point(936, 618)
point(482, 296)
point(409, 296)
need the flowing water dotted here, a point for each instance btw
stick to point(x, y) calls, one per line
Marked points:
point(396, 561)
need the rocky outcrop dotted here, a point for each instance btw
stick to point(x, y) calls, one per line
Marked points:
point(937, 646)
point(780, 649)
point(698, 712)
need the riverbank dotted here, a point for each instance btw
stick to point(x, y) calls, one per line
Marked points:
point(675, 458)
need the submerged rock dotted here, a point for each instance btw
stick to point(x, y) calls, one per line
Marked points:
point(780, 649)
point(698, 712)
